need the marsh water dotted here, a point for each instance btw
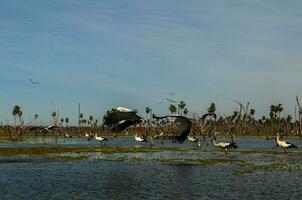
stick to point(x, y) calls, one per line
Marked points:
point(256, 170)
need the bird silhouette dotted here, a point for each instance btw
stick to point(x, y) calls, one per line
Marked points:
point(33, 82)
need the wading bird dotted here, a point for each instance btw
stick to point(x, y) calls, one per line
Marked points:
point(100, 139)
point(285, 145)
point(139, 139)
point(224, 145)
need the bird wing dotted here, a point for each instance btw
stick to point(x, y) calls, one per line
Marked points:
point(119, 121)
point(183, 126)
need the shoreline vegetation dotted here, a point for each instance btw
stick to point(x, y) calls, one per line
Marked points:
point(242, 122)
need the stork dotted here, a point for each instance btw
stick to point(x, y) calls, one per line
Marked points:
point(194, 141)
point(285, 145)
point(224, 145)
point(139, 139)
point(100, 139)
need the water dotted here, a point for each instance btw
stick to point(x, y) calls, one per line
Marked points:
point(145, 176)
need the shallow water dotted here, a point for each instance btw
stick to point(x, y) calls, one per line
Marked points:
point(189, 173)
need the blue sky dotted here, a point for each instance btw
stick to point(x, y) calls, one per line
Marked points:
point(134, 53)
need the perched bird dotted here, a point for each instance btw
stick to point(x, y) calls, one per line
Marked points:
point(182, 125)
point(33, 82)
point(285, 145)
point(224, 145)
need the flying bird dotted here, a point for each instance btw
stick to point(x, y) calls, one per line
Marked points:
point(120, 120)
point(285, 145)
point(182, 125)
point(33, 82)
point(171, 100)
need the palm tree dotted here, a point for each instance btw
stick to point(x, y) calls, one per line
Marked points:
point(15, 112)
point(181, 106)
point(186, 111)
point(54, 114)
point(67, 121)
point(62, 121)
point(172, 108)
point(36, 117)
point(212, 108)
point(147, 110)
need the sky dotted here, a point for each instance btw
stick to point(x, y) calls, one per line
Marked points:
point(135, 53)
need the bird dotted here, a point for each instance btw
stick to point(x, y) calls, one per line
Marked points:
point(194, 141)
point(122, 109)
point(33, 82)
point(120, 120)
point(49, 129)
point(66, 135)
point(100, 139)
point(283, 144)
point(139, 139)
point(182, 125)
point(171, 100)
point(224, 145)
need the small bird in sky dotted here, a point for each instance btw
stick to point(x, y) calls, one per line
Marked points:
point(170, 100)
point(33, 82)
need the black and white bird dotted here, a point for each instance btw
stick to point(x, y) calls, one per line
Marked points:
point(283, 144)
point(121, 118)
point(49, 129)
point(182, 127)
point(194, 141)
point(224, 145)
point(100, 139)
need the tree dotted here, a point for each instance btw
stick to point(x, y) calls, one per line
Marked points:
point(67, 121)
point(36, 117)
point(252, 112)
point(54, 118)
point(181, 106)
point(62, 121)
point(172, 108)
point(212, 108)
point(186, 111)
point(15, 113)
point(147, 110)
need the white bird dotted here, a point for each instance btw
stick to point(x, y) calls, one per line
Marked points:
point(100, 139)
point(122, 109)
point(224, 145)
point(66, 135)
point(87, 135)
point(139, 139)
point(285, 145)
point(192, 139)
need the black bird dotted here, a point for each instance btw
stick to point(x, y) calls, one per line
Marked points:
point(33, 82)
point(184, 125)
point(119, 121)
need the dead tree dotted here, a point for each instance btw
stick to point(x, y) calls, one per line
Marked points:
point(245, 110)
